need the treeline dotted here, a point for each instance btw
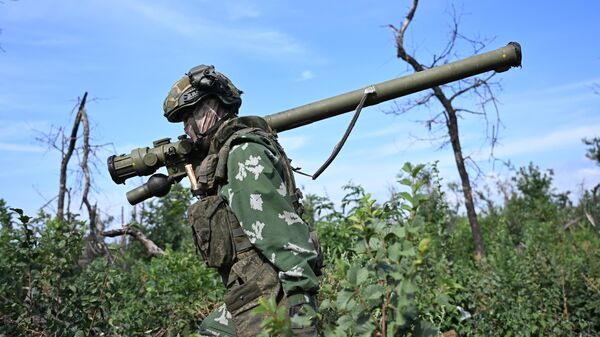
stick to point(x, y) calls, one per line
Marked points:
point(399, 267)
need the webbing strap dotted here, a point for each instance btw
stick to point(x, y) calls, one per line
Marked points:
point(368, 91)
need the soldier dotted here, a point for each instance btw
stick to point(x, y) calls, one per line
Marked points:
point(247, 222)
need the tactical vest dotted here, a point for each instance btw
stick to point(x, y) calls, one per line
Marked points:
point(217, 232)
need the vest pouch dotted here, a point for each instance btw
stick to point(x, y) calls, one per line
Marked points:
point(211, 222)
point(206, 173)
point(254, 278)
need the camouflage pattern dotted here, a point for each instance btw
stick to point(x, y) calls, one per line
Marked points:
point(258, 196)
point(281, 265)
point(218, 324)
point(198, 83)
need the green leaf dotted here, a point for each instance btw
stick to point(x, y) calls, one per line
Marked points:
point(406, 196)
point(17, 210)
point(361, 276)
point(405, 182)
point(406, 207)
point(417, 169)
point(394, 252)
point(417, 186)
point(400, 231)
point(374, 291)
point(425, 329)
point(345, 322)
point(352, 274)
point(343, 297)
point(363, 326)
point(407, 287)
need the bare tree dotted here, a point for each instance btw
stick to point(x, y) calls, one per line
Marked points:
point(78, 145)
point(446, 120)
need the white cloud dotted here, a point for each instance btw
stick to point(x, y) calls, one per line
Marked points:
point(291, 143)
point(12, 147)
point(547, 142)
point(589, 172)
point(306, 75)
point(573, 97)
point(402, 146)
point(562, 89)
point(239, 11)
point(165, 16)
point(21, 130)
point(397, 128)
point(209, 30)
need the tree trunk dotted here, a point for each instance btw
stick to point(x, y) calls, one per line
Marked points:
point(452, 124)
point(62, 188)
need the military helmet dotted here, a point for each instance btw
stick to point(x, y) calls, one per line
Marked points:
point(199, 82)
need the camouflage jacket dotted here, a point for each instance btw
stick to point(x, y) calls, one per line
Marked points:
point(253, 184)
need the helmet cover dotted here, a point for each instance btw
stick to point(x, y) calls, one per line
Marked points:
point(201, 81)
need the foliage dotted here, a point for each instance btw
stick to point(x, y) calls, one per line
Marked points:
point(402, 267)
point(5, 215)
point(276, 322)
point(165, 219)
point(378, 285)
point(538, 279)
point(593, 150)
point(45, 292)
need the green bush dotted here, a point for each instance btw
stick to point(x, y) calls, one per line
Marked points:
point(44, 291)
point(402, 267)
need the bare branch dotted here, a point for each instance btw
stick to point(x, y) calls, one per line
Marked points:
point(50, 139)
point(474, 84)
point(472, 112)
point(408, 19)
point(477, 44)
point(408, 105)
point(151, 247)
point(451, 40)
point(474, 166)
point(401, 51)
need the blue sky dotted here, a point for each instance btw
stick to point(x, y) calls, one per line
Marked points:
point(127, 53)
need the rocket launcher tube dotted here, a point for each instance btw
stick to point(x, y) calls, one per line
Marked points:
point(145, 161)
point(498, 60)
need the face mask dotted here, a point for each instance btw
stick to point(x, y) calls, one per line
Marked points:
point(202, 119)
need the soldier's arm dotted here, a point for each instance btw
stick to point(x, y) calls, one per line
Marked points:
point(257, 195)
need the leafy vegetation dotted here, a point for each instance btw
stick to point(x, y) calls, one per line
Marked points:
point(400, 267)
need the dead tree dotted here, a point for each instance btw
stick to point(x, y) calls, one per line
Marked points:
point(78, 145)
point(66, 157)
point(446, 120)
